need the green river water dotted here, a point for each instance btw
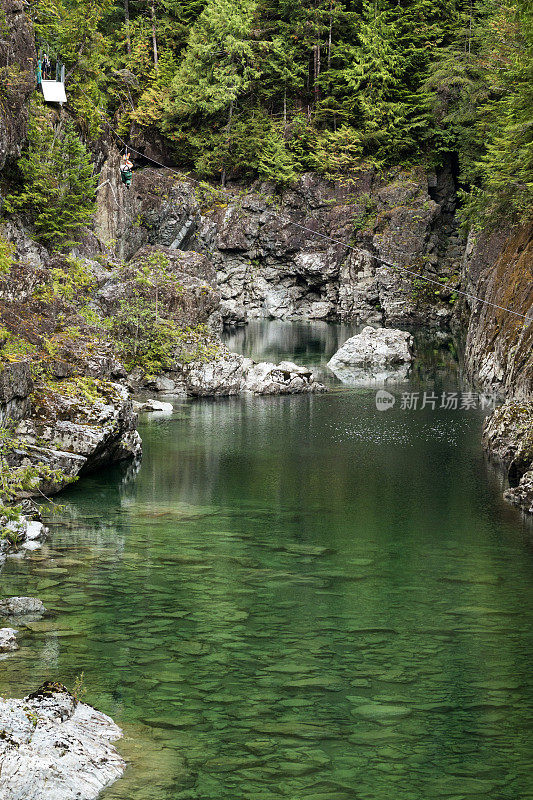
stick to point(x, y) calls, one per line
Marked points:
point(297, 597)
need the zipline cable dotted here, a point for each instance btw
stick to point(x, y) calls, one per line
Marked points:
point(387, 264)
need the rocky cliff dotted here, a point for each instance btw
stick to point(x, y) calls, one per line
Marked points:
point(268, 252)
point(498, 268)
point(17, 77)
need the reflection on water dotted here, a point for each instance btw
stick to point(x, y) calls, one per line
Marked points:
point(296, 597)
point(313, 344)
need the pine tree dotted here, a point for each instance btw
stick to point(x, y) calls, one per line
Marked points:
point(218, 66)
point(506, 168)
point(58, 192)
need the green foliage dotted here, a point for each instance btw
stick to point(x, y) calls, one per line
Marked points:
point(271, 88)
point(505, 169)
point(79, 690)
point(58, 193)
point(72, 281)
point(7, 250)
point(85, 388)
point(218, 64)
point(339, 152)
point(145, 331)
point(154, 343)
point(14, 347)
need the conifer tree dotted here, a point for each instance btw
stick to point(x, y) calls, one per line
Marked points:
point(58, 192)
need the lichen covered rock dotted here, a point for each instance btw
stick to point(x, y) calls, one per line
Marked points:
point(17, 65)
point(22, 607)
point(77, 426)
point(8, 642)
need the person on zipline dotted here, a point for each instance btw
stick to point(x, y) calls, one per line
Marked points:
point(126, 167)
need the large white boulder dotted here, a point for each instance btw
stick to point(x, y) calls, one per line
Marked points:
point(21, 607)
point(375, 354)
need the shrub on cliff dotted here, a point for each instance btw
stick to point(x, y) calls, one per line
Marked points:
point(58, 190)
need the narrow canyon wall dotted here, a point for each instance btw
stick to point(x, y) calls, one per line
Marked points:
point(269, 261)
point(17, 77)
point(498, 268)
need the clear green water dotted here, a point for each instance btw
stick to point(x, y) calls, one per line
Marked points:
point(296, 598)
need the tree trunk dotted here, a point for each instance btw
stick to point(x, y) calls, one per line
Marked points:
point(127, 22)
point(285, 108)
point(470, 30)
point(330, 31)
point(228, 135)
point(317, 71)
point(154, 33)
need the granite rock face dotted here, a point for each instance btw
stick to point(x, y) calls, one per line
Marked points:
point(268, 260)
point(16, 385)
point(55, 748)
point(499, 347)
point(522, 495)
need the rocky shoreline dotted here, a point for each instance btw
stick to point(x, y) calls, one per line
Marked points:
point(53, 746)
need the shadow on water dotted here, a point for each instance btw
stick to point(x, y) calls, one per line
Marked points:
point(296, 597)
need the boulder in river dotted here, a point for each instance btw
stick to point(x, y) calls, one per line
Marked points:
point(8, 642)
point(22, 607)
point(153, 405)
point(55, 748)
point(376, 354)
point(234, 374)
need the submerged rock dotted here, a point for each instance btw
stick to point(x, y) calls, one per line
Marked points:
point(22, 534)
point(22, 607)
point(381, 712)
point(374, 354)
point(55, 748)
point(234, 374)
point(154, 405)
